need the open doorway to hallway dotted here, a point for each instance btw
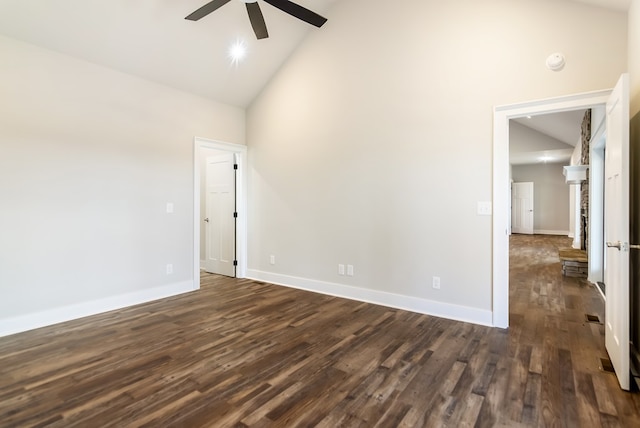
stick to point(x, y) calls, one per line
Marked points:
point(502, 183)
point(545, 198)
point(616, 100)
point(220, 201)
point(539, 147)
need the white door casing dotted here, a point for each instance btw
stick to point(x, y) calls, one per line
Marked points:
point(616, 216)
point(596, 202)
point(522, 208)
point(200, 147)
point(502, 185)
point(220, 221)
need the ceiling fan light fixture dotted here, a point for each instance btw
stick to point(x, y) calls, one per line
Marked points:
point(255, 14)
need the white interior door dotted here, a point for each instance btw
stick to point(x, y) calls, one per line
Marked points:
point(522, 208)
point(220, 220)
point(616, 217)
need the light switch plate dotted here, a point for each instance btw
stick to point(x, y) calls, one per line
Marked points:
point(169, 207)
point(484, 208)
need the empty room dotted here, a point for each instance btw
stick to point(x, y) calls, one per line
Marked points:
point(266, 213)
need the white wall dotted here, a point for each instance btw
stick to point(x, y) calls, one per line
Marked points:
point(634, 55)
point(373, 144)
point(89, 157)
point(550, 196)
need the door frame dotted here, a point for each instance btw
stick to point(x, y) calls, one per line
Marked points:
point(240, 153)
point(501, 184)
point(596, 201)
point(221, 265)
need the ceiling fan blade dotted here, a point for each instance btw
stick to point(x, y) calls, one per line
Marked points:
point(206, 9)
point(257, 20)
point(298, 11)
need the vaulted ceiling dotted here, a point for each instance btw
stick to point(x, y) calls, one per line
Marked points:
point(151, 39)
point(563, 128)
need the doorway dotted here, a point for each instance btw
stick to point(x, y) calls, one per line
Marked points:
point(218, 212)
point(616, 210)
point(502, 184)
point(204, 148)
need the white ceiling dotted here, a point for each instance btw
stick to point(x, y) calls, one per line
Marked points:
point(564, 127)
point(151, 39)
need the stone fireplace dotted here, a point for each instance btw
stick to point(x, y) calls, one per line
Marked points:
point(585, 138)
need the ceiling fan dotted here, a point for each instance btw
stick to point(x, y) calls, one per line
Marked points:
point(255, 14)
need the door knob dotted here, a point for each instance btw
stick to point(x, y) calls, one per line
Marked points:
point(207, 219)
point(617, 245)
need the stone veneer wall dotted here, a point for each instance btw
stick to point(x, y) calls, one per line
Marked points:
point(585, 137)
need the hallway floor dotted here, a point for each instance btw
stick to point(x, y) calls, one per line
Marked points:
point(557, 350)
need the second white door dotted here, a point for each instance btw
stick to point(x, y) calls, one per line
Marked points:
point(522, 208)
point(220, 215)
point(616, 234)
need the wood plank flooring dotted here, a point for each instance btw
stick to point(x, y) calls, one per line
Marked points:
point(240, 353)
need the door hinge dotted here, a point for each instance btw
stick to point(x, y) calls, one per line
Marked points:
point(235, 214)
point(235, 263)
point(235, 166)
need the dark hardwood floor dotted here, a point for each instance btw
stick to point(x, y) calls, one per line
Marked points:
point(248, 354)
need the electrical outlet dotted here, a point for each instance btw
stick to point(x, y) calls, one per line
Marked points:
point(340, 269)
point(349, 270)
point(272, 259)
point(436, 282)
point(169, 269)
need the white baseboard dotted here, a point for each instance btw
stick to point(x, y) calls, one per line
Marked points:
point(551, 232)
point(383, 298)
point(202, 264)
point(67, 313)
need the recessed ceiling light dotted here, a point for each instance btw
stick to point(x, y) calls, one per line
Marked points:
point(237, 52)
point(545, 159)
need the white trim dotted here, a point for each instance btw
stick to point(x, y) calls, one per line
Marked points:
point(80, 310)
point(551, 232)
point(604, 298)
point(501, 203)
point(241, 201)
point(202, 264)
point(398, 301)
point(577, 216)
point(596, 202)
